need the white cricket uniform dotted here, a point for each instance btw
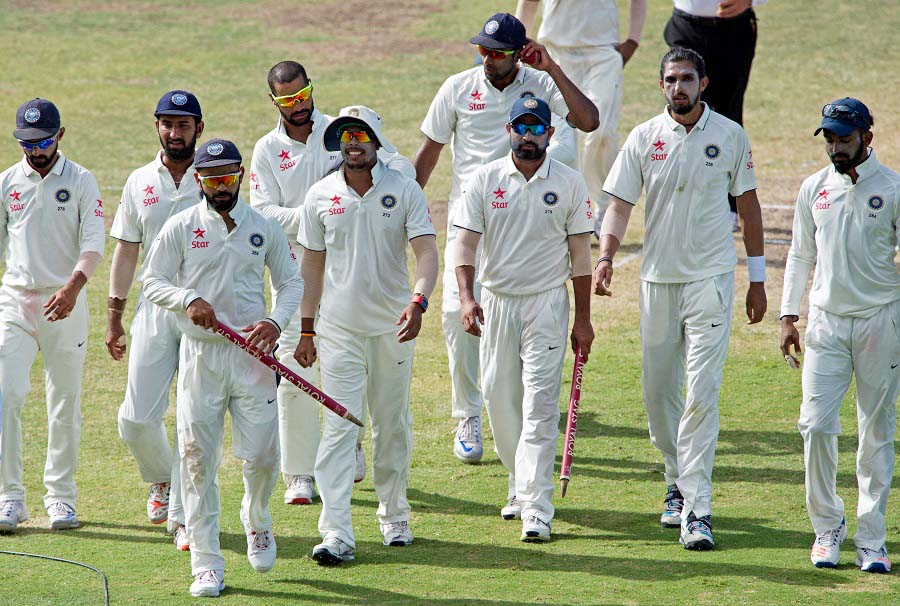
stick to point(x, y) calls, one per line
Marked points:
point(705, 8)
point(281, 172)
point(471, 115)
point(148, 200)
point(849, 231)
point(524, 268)
point(687, 281)
point(45, 225)
point(195, 257)
point(366, 288)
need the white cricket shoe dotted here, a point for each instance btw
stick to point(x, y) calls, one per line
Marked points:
point(467, 444)
point(535, 530)
point(208, 584)
point(671, 515)
point(332, 551)
point(826, 550)
point(696, 533)
point(181, 539)
point(261, 550)
point(512, 510)
point(397, 534)
point(62, 516)
point(873, 560)
point(300, 491)
point(11, 513)
point(359, 472)
point(158, 503)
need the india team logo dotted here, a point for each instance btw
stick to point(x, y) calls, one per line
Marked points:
point(179, 99)
point(388, 201)
point(490, 27)
point(32, 115)
point(530, 103)
point(214, 149)
point(712, 151)
point(62, 195)
point(257, 240)
point(551, 198)
point(876, 202)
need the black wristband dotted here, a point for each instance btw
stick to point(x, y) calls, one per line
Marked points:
point(601, 260)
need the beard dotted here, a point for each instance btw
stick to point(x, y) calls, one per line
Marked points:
point(41, 161)
point(844, 163)
point(221, 201)
point(301, 117)
point(529, 150)
point(179, 154)
point(682, 110)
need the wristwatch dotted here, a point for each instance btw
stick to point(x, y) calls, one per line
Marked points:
point(420, 300)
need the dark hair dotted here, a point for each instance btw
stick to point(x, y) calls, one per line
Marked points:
point(678, 54)
point(286, 71)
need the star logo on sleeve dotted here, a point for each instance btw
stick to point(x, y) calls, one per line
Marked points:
point(659, 145)
point(499, 193)
point(336, 200)
point(253, 177)
point(148, 190)
point(199, 233)
point(284, 155)
point(476, 96)
point(15, 195)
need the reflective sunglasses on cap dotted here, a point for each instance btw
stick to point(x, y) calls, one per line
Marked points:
point(291, 100)
point(845, 112)
point(535, 129)
point(496, 55)
point(31, 145)
point(213, 181)
point(355, 131)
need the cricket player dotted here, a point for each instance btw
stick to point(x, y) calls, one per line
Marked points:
point(536, 218)
point(356, 225)
point(51, 231)
point(846, 224)
point(208, 265)
point(470, 111)
point(286, 162)
point(152, 194)
point(687, 160)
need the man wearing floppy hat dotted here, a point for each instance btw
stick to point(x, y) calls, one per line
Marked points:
point(470, 111)
point(355, 229)
point(151, 195)
point(536, 219)
point(52, 233)
point(846, 224)
point(208, 265)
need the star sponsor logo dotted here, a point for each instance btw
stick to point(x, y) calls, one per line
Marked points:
point(476, 104)
point(336, 208)
point(821, 202)
point(823, 194)
point(98, 212)
point(659, 146)
point(254, 181)
point(499, 198)
point(150, 198)
point(16, 204)
point(388, 201)
point(750, 159)
point(15, 195)
point(199, 234)
point(590, 209)
point(286, 163)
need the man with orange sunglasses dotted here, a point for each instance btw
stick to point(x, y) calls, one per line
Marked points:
point(470, 111)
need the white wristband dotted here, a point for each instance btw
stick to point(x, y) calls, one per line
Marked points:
point(756, 267)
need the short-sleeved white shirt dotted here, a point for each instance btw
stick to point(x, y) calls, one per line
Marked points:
point(365, 240)
point(687, 178)
point(579, 23)
point(195, 256)
point(526, 224)
point(705, 8)
point(45, 224)
point(849, 231)
point(469, 112)
point(148, 200)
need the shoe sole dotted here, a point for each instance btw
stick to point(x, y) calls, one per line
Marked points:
point(208, 593)
point(325, 558)
point(158, 520)
point(511, 516)
point(825, 564)
point(355, 481)
point(299, 501)
point(65, 525)
point(534, 537)
point(670, 524)
point(185, 548)
point(702, 545)
point(468, 460)
point(398, 543)
point(876, 568)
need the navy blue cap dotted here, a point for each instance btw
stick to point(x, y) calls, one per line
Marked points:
point(843, 116)
point(36, 120)
point(501, 32)
point(216, 152)
point(530, 106)
point(178, 103)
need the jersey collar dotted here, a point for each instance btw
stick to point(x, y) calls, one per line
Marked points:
point(319, 120)
point(237, 213)
point(57, 169)
point(519, 79)
point(378, 172)
point(160, 167)
point(865, 169)
point(701, 122)
point(543, 170)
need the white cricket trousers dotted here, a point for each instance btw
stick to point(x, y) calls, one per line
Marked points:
point(836, 348)
point(215, 376)
point(684, 334)
point(152, 362)
point(597, 71)
point(462, 348)
point(358, 369)
point(23, 331)
point(523, 345)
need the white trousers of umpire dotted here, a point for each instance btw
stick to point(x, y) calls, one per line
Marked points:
point(836, 348)
point(152, 362)
point(213, 377)
point(23, 332)
point(684, 336)
point(523, 345)
point(356, 369)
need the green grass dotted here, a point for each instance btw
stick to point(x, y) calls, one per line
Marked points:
point(106, 64)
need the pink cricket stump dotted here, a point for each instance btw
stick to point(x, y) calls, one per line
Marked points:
point(572, 421)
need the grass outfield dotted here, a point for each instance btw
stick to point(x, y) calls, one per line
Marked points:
point(106, 64)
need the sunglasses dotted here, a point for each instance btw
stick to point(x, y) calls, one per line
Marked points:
point(535, 129)
point(496, 55)
point(30, 145)
point(291, 100)
point(213, 181)
point(361, 136)
point(842, 111)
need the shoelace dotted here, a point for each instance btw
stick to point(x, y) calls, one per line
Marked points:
point(872, 553)
point(468, 429)
point(397, 528)
point(828, 539)
point(698, 525)
point(208, 576)
point(158, 492)
point(674, 503)
point(60, 509)
point(536, 520)
point(7, 509)
point(261, 540)
point(513, 502)
point(300, 482)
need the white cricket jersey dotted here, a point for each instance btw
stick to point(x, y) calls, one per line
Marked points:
point(579, 23)
point(469, 112)
point(283, 169)
point(705, 8)
point(526, 224)
point(148, 200)
point(195, 252)
point(364, 239)
point(45, 224)
point(687, 178)
point(849, 232)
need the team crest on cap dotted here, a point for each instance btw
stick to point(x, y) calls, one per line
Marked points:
point(491, 26)
point(32, 115)
point(388, 201)
point(214, 149)
point(876, 202)
point(62, 195)
point(353, 112)
point(257, 240)
point(551, 198)
point(712, 151)
point(530, 104)
point(179, 99)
